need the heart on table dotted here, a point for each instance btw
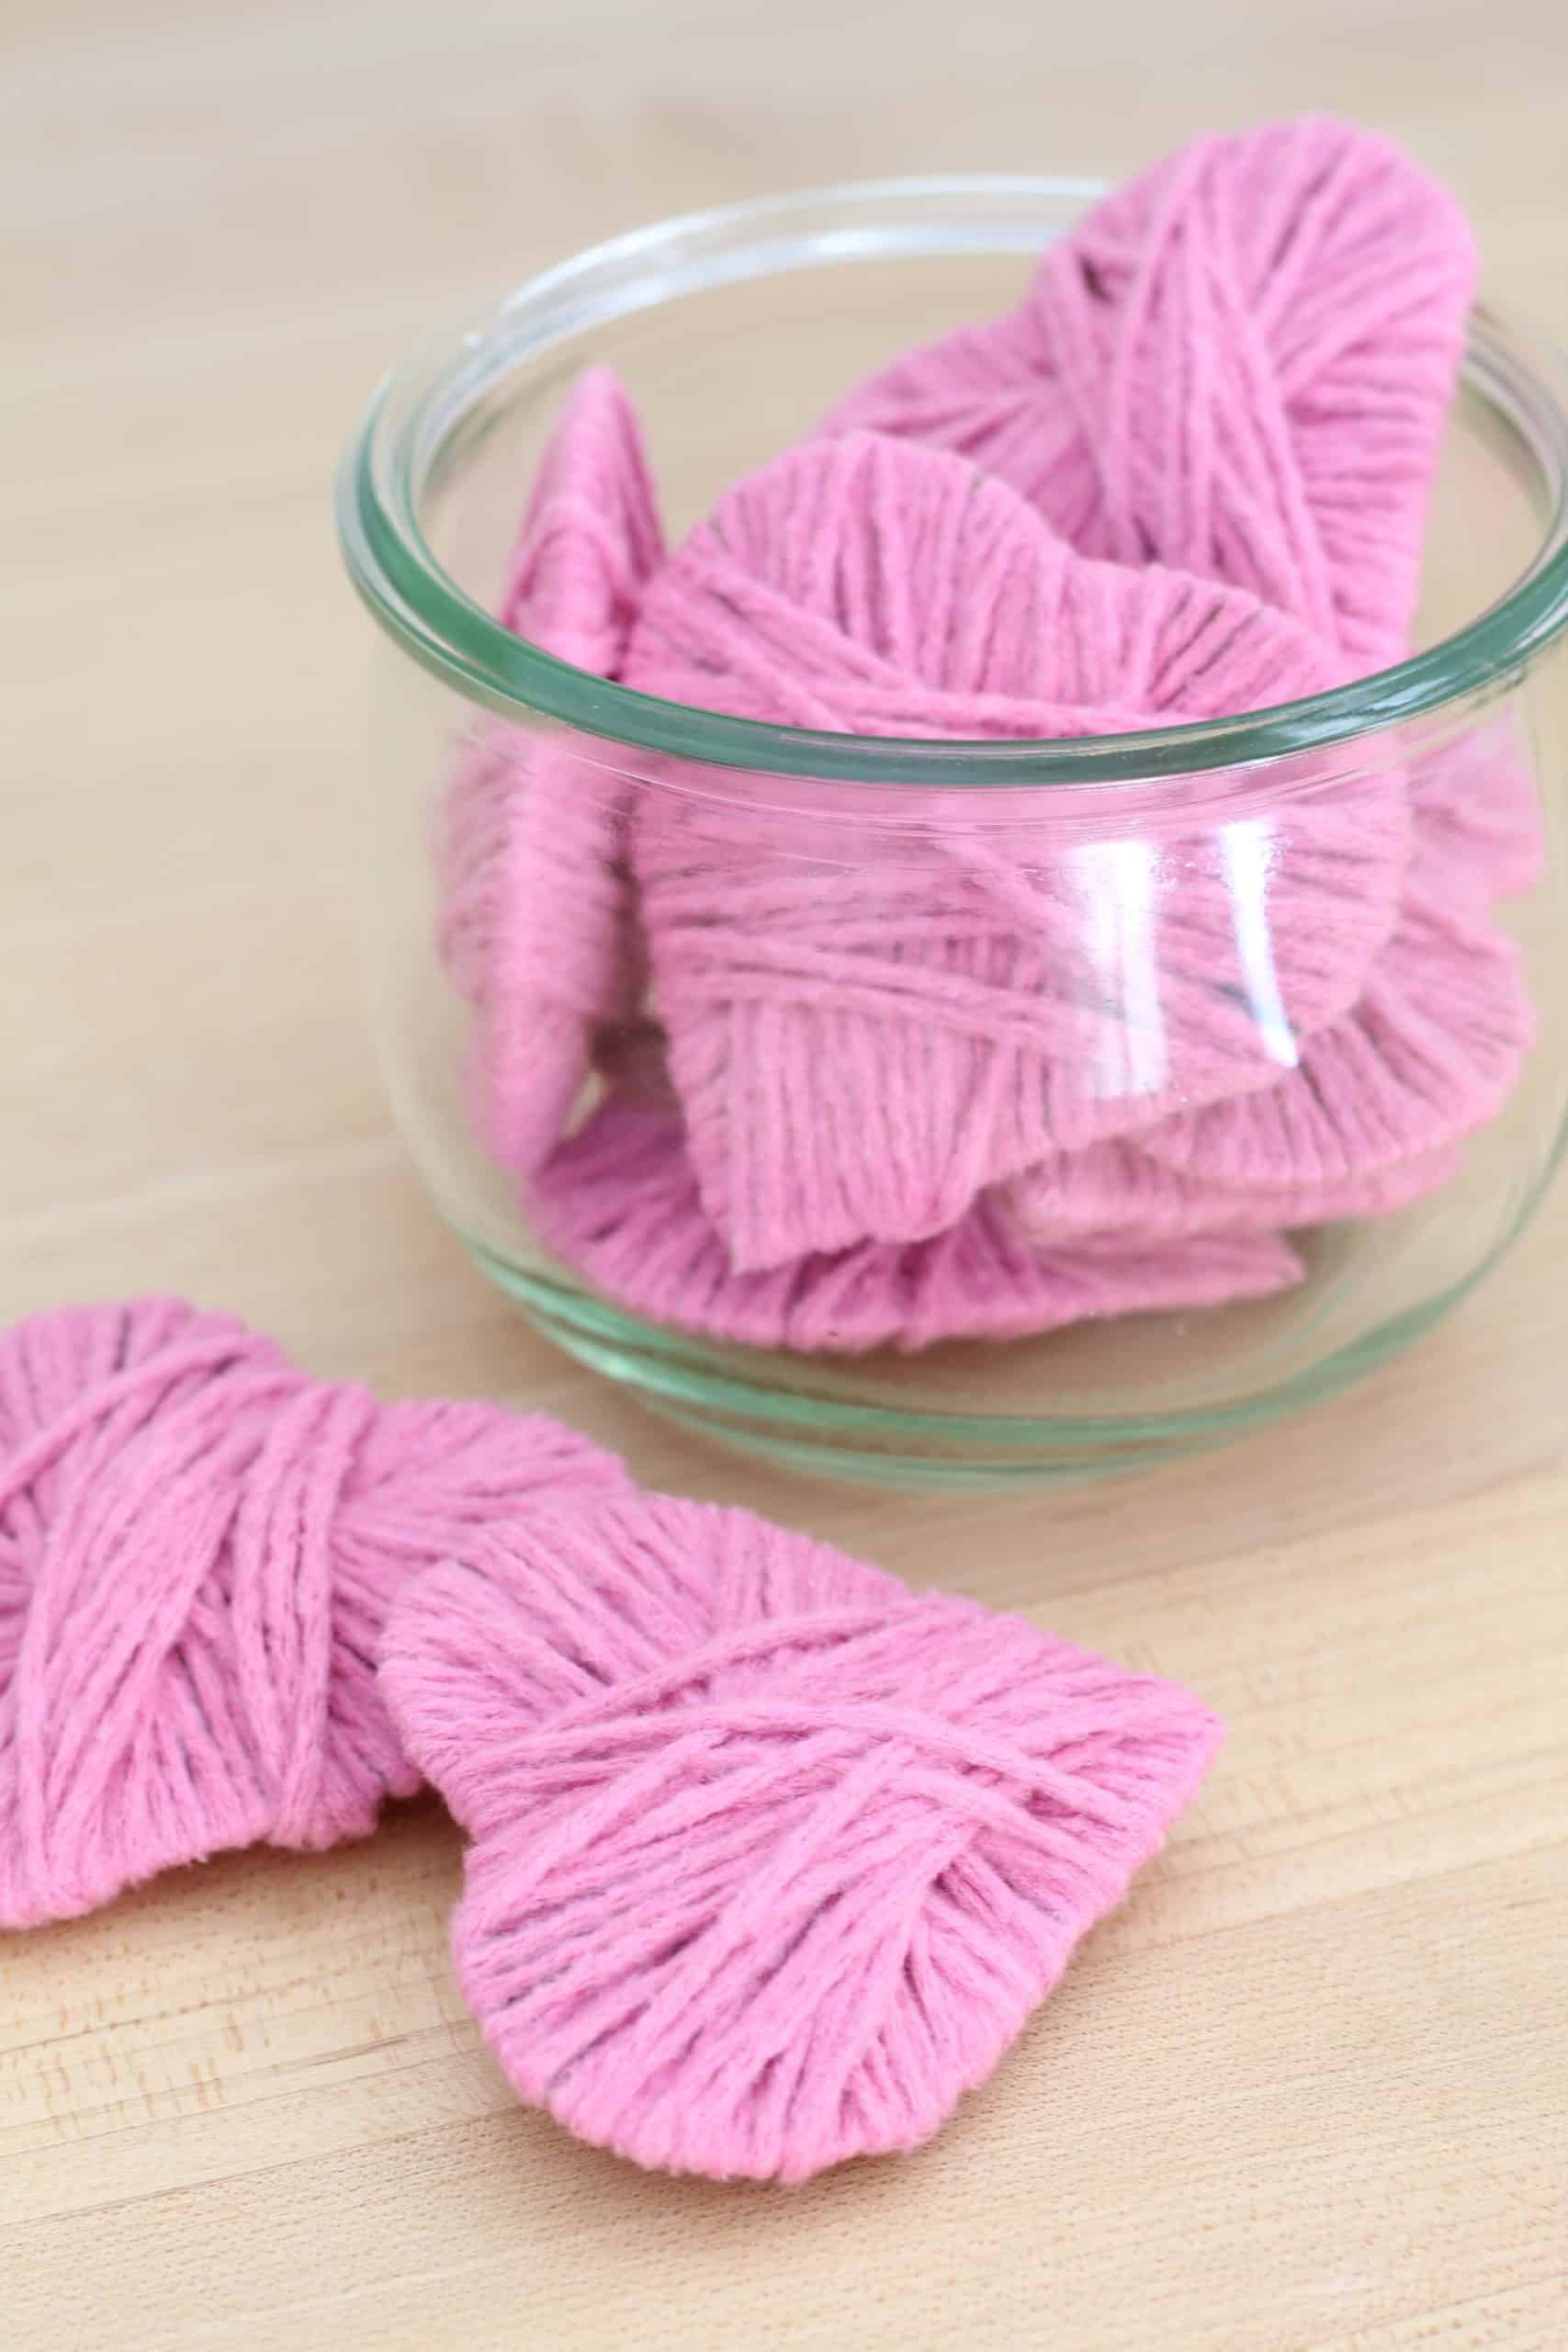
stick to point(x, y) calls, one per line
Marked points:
point(772, 1857)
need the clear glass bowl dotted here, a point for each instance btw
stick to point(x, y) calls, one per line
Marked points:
point(1176, 875)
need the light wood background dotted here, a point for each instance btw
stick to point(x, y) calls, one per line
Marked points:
point(1309, 2089)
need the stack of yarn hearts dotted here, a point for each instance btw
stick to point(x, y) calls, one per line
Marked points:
point(884, 1067)
point(772, 1857)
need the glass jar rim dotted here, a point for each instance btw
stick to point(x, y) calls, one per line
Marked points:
point(419, 407)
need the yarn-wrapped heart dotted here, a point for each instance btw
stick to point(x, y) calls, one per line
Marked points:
point(1239, 362)
point(772, 1858)
point(860, 1049)
point(535, 926)
point(1371, 1120)
point(1116, 1188)
point(1430, 1052)
point(198, 1545)
point(1477, 814)
point(619, 1202)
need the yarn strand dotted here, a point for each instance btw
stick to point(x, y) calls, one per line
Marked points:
point(198, 1545)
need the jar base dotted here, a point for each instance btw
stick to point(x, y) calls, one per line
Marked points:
point(803, 1429)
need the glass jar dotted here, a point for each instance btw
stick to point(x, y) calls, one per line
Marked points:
point(1306, 963)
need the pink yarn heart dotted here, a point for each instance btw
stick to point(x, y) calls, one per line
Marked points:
point(198, 1545)
point(1371, 1121)
point(536, 929)
point(1431, 1051)
point(772, 1858)
point(591, 538)
point(619, 1202)
point(1239, 362)
point(1478, 814)
point(1116, 1188)
point(860, 1049)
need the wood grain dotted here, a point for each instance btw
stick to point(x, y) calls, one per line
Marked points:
point(1310, 2089)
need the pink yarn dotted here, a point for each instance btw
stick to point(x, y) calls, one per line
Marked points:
point(619, 1202)
point(536, 927)
point(772, 1857)
point(1430, 1052)
point(1239, 362)
point(1478, 814)
point(198, 1546)
point(859, 1050)
point(1117, 1187)
point(961, 1083)
point(1370, 1121)
point(591, 538)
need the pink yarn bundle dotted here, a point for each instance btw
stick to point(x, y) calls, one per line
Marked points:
point(620, 1201)
point(875, 1082)
point(1478, 815)
point(198, 1547)
point(772, 1858)
point(1239, 362)
point(1118, 1188)
point(536, 929)
point(975, 995)
point(1430, 1051)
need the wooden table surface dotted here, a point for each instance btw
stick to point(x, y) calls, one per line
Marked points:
point(1309, 2087)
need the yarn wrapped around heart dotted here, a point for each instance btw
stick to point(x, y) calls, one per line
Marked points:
point(1477, 815)
point(980, 1079)
point(619, 1202)
point(535, 926)
point(1239, 362)
point(1118, 1189)
point(772, 1858)
point(1430, 1052)
point(860, 1050)
point(198, 1546)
